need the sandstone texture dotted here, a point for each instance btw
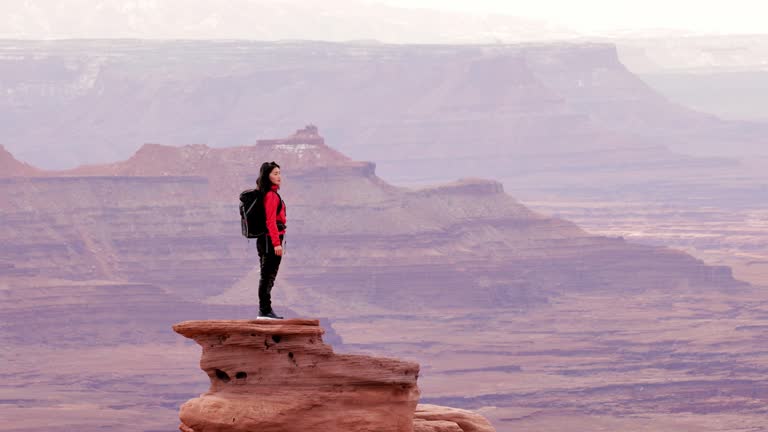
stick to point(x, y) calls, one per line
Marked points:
point(11, 167)
point(279, 375)
point(435, 418)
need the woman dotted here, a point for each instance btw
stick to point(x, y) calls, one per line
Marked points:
point(270, 244)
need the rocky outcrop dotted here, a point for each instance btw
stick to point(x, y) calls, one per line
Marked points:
point(309, 135)
point(11, 167)
point(302, 151)
point(278, 375)
point(435, 418)
point(305, 152)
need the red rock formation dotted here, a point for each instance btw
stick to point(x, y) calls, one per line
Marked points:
point(11, 167)
point(279, 376)
point(435, 418)
point(304, 150)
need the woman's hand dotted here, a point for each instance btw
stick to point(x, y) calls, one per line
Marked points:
point(279, 250)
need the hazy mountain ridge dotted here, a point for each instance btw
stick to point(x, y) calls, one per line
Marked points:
point(385, 103)
point(694, 54)
point(725, 75)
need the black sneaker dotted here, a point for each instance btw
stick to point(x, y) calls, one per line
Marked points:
point(269, 315)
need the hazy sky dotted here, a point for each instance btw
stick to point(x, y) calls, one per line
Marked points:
point(340, 20)
point(721, 16)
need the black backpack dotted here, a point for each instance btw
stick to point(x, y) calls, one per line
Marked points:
point(253, 219)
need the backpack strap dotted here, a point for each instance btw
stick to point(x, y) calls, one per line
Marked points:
point(280, 203)
point(251, 207)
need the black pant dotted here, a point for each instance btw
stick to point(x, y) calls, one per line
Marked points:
point(270, 263)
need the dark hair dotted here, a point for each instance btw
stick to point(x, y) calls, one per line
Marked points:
point(263, 183)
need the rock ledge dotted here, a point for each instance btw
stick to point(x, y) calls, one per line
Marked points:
point(279, 375)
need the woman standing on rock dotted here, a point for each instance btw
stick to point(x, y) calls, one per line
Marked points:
point(270, 244)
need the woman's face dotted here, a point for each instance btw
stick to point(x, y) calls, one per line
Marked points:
point(274, 176)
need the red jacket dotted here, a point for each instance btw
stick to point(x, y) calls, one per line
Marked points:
point(270, 207)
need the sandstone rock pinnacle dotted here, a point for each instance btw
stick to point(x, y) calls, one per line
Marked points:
point(279, 375)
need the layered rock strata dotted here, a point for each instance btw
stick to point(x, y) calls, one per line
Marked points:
point(168, 216)
point(279, 375)
point(436, 418)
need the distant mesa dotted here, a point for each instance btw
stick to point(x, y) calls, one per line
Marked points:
point(535, 102)
point(279, 375)
point(466, 185)
point(308, 135)
point(225, 170)
point(305, 150)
